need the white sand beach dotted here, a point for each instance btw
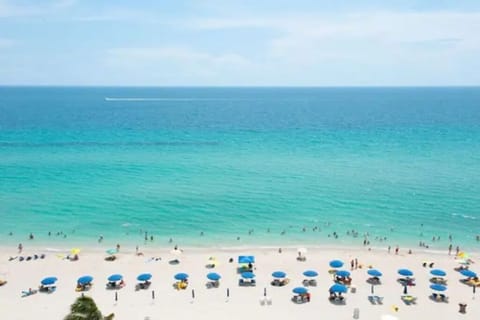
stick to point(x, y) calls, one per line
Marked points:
point(243, 302)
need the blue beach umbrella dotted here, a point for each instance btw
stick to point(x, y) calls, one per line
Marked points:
point(405, 272)
point(310, 273)
point(85, 280)
point(438, 287)
point(144, 277)
point(336, 263)
point(181, 276)
point(213, 276)
point(343, 273)
point(246, 259)
point(468, 273)
point(374, 273)
point(49, 281)
point(338, 288)
point(115, 277)
point(248, 275)
point(279, 274)
point(300, 290)
point(438, 273)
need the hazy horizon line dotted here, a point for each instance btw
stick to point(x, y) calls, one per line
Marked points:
point(232, 86)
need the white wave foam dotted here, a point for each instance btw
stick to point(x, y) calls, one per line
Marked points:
point(166, 99)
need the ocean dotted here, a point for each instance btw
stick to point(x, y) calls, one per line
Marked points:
point(240, 166)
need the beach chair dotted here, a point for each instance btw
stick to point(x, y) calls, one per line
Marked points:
point(373, 280)
point(372, 300)
point(26, 293)
point(340, 300)
point(378, 299)
point(268, 300)
point(262, 301)
point(409, 300)
point(276, 283)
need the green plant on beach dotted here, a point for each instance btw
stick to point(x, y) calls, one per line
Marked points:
point(85, 308)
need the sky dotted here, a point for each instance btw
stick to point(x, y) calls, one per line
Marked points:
point(240, 42)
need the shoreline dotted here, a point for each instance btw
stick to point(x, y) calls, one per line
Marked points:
point(155, 249)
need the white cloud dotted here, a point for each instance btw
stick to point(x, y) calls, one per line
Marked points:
point(9, 8)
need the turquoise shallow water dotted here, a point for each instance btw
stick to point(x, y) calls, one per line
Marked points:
point(401, 163)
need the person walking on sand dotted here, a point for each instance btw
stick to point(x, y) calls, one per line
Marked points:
point(396, 250)
point(20, 248)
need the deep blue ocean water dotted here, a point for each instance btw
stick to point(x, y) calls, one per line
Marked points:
point(261, 164)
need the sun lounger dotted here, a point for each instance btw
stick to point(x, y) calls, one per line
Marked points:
point(340, 300)
point(378, 299)
point(26, 293)
point(247, 283)
point(268, 300)
point(143, 285)
point(407, 281)
point(212, 284)
point(47, 289)
point(301, 298)
point(438, 280)
point(408, 300)
point(372, 300)
point(374, 280)
point(309, 283)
